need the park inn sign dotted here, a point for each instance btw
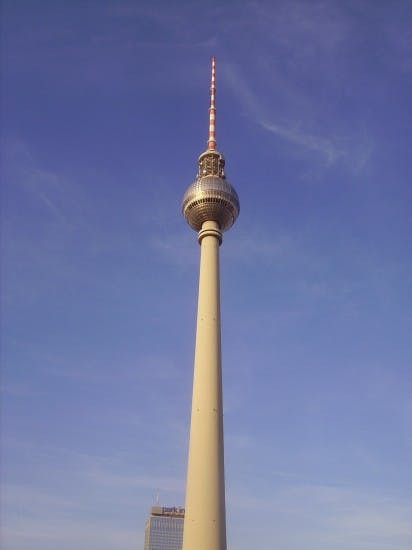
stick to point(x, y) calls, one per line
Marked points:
point(175, 511)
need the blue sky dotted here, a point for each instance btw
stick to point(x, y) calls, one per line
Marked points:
point(104, 112)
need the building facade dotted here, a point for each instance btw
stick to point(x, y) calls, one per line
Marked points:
point(164, 528)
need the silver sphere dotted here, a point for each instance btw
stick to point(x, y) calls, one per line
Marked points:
point(210, 198)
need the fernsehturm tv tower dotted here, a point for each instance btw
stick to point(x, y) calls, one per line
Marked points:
point(210, 206)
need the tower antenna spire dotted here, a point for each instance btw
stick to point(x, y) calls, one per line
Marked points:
point(211, 143)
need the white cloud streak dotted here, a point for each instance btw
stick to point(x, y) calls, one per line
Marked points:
point(291, 132)
point(327, 516)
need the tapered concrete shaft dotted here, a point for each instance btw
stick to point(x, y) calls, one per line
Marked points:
point(205, 523)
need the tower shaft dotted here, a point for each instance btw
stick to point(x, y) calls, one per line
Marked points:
point(205, 523)
point(210, 206)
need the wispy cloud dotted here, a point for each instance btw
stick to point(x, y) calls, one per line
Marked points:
point(301, 43)
point(254, 245)
point(18, 390)
point(328, 516)
point(72, 510)
point(66, 533)
point(177, 248)
point(326, 147)
point(292, 132)
point(47, 187)
point(168, 484)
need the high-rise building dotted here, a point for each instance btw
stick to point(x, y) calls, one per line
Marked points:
point(164, 529)
point(210, 206)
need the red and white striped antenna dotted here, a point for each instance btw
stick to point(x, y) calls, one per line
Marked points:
point(211, 144)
